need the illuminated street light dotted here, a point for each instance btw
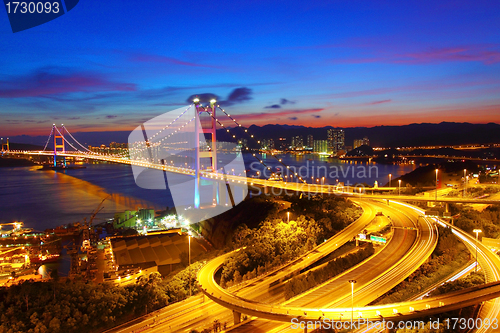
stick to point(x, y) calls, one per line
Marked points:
point(390, 179)
point(352, 282)
point(189, 261)
point(288, 216)
point(399, 188)
point(465, 183)
point(476, 231)
point(436, 184)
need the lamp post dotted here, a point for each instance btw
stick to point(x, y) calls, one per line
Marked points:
point(477, 231)
point(352, 282)
point(189, 262)
point(390, 179)
point(288, 217)
point(399, 188)
point(465, 183)
point(436, 184)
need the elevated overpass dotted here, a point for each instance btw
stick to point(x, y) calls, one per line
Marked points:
point(390, 312)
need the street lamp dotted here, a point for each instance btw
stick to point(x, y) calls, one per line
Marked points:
point(436, 184)
point(288, 217)
point(477, 231)
point(399, 189)
point(352, 282)
point(189, 262)
point(390, 179)
point(465, 183)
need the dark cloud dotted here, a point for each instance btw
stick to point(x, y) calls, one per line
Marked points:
point(51, 81)
point(238, 95)
point(379, 102)
point(284, 101)
point(293, 118)
point(316, 116)
point(111, 116)
point(274, 106)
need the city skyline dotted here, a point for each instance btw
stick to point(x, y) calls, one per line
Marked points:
point(333, 64)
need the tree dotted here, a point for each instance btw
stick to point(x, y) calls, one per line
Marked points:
point(55, 325)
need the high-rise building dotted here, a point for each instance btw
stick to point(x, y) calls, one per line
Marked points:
point(320, 146)
point(297, 142)
point(361, 142)
point(310, 141)
point(329, 140)
point(336, 140)
point(267, 144)
point(282, 144)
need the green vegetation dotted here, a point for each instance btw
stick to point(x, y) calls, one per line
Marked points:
point(471, 280)
point(276, 242)
point(85, 307)
point(450, 255)
point(487, 220)
point(475, 191)
point(299, 284)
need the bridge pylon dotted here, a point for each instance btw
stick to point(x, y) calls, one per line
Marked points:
point(211, 153)
point(5, 146)
point(58, 135)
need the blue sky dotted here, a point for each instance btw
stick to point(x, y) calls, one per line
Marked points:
point(111, 65)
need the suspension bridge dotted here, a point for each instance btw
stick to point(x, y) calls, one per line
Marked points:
point(187, 146)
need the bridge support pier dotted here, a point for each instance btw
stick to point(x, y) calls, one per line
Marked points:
point(222, 192)
point(447, 207)
point(236, 317)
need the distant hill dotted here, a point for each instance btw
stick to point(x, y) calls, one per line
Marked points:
point(24, 146)
point(445, 133)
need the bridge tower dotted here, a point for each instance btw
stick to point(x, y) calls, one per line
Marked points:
point(211, 153)
point(58, 135)
point(5, 146)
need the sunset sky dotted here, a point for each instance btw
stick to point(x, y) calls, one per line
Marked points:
point(111, 65)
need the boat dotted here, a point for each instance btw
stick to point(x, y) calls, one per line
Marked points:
point(44, 258)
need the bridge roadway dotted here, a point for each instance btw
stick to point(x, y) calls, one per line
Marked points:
point(403, 254)
point(278, 186)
